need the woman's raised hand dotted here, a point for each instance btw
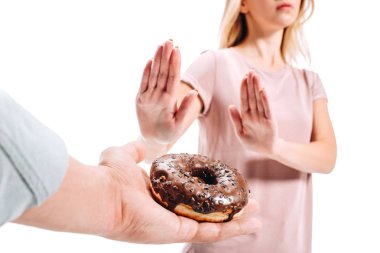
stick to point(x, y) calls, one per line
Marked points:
point(255, 124)
point(159, 116)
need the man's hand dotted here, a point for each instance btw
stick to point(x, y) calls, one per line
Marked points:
point(114, 200)
point(142, 220)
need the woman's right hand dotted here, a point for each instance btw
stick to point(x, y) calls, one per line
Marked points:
point(159, 116)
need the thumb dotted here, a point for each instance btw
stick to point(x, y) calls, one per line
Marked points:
point(186, 105)
point(236, 119)
point(135, 150)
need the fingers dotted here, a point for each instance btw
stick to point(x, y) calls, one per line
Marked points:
point(119, 156)
point(252, 207)
point(174, 70)
point(185, 106)
point(252, 100)
point(155, 69)
point(236, 119)
point(165, 69)
point(239, 227)
point(247, 224)
point(145, 77)
point(161, 74)
point(244, 96)
point(164, 64)
point(187, 229)
point(266, 106)
point(257, 98)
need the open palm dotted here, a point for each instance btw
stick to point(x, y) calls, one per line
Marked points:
point(159, 117)
point(254, 125)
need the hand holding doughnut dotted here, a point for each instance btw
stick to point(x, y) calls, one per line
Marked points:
point(255, 124)
point(140, 219)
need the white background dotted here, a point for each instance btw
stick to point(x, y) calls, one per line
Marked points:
point(76, 66)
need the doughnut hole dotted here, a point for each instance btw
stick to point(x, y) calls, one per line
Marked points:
point(205, 175)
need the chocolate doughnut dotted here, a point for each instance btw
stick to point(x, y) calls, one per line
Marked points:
point(197, 187)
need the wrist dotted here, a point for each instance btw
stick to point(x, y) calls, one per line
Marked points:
point(113, 203)
point(278, 149)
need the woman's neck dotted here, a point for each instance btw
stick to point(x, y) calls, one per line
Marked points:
point(263, 49)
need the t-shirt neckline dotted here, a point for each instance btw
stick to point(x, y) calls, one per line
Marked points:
point(275, 73)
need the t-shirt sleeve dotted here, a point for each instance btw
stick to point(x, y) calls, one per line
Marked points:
point(317, 89)
point(33, 160)
point(201, 76)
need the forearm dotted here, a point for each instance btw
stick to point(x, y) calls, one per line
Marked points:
point(83, 204)
point(314, 157)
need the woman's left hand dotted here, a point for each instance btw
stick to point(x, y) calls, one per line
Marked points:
point(255, 124)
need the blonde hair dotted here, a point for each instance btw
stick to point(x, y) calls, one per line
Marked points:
point(233, 30)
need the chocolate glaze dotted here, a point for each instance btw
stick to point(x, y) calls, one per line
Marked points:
point(207, 186)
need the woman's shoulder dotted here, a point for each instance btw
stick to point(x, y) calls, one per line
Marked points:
point(212, 58)
point(308, 75)
point(217, 54)
point(312, 80)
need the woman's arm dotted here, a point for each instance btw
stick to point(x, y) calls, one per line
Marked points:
point(256, 127)
point(317, 156)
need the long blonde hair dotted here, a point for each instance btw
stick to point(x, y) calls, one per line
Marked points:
point(233, 30)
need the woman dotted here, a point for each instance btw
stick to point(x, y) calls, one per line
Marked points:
point(279, 135)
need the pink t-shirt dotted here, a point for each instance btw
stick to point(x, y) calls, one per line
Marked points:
point(284, 194)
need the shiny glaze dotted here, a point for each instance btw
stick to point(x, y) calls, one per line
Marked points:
point(205, 185)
